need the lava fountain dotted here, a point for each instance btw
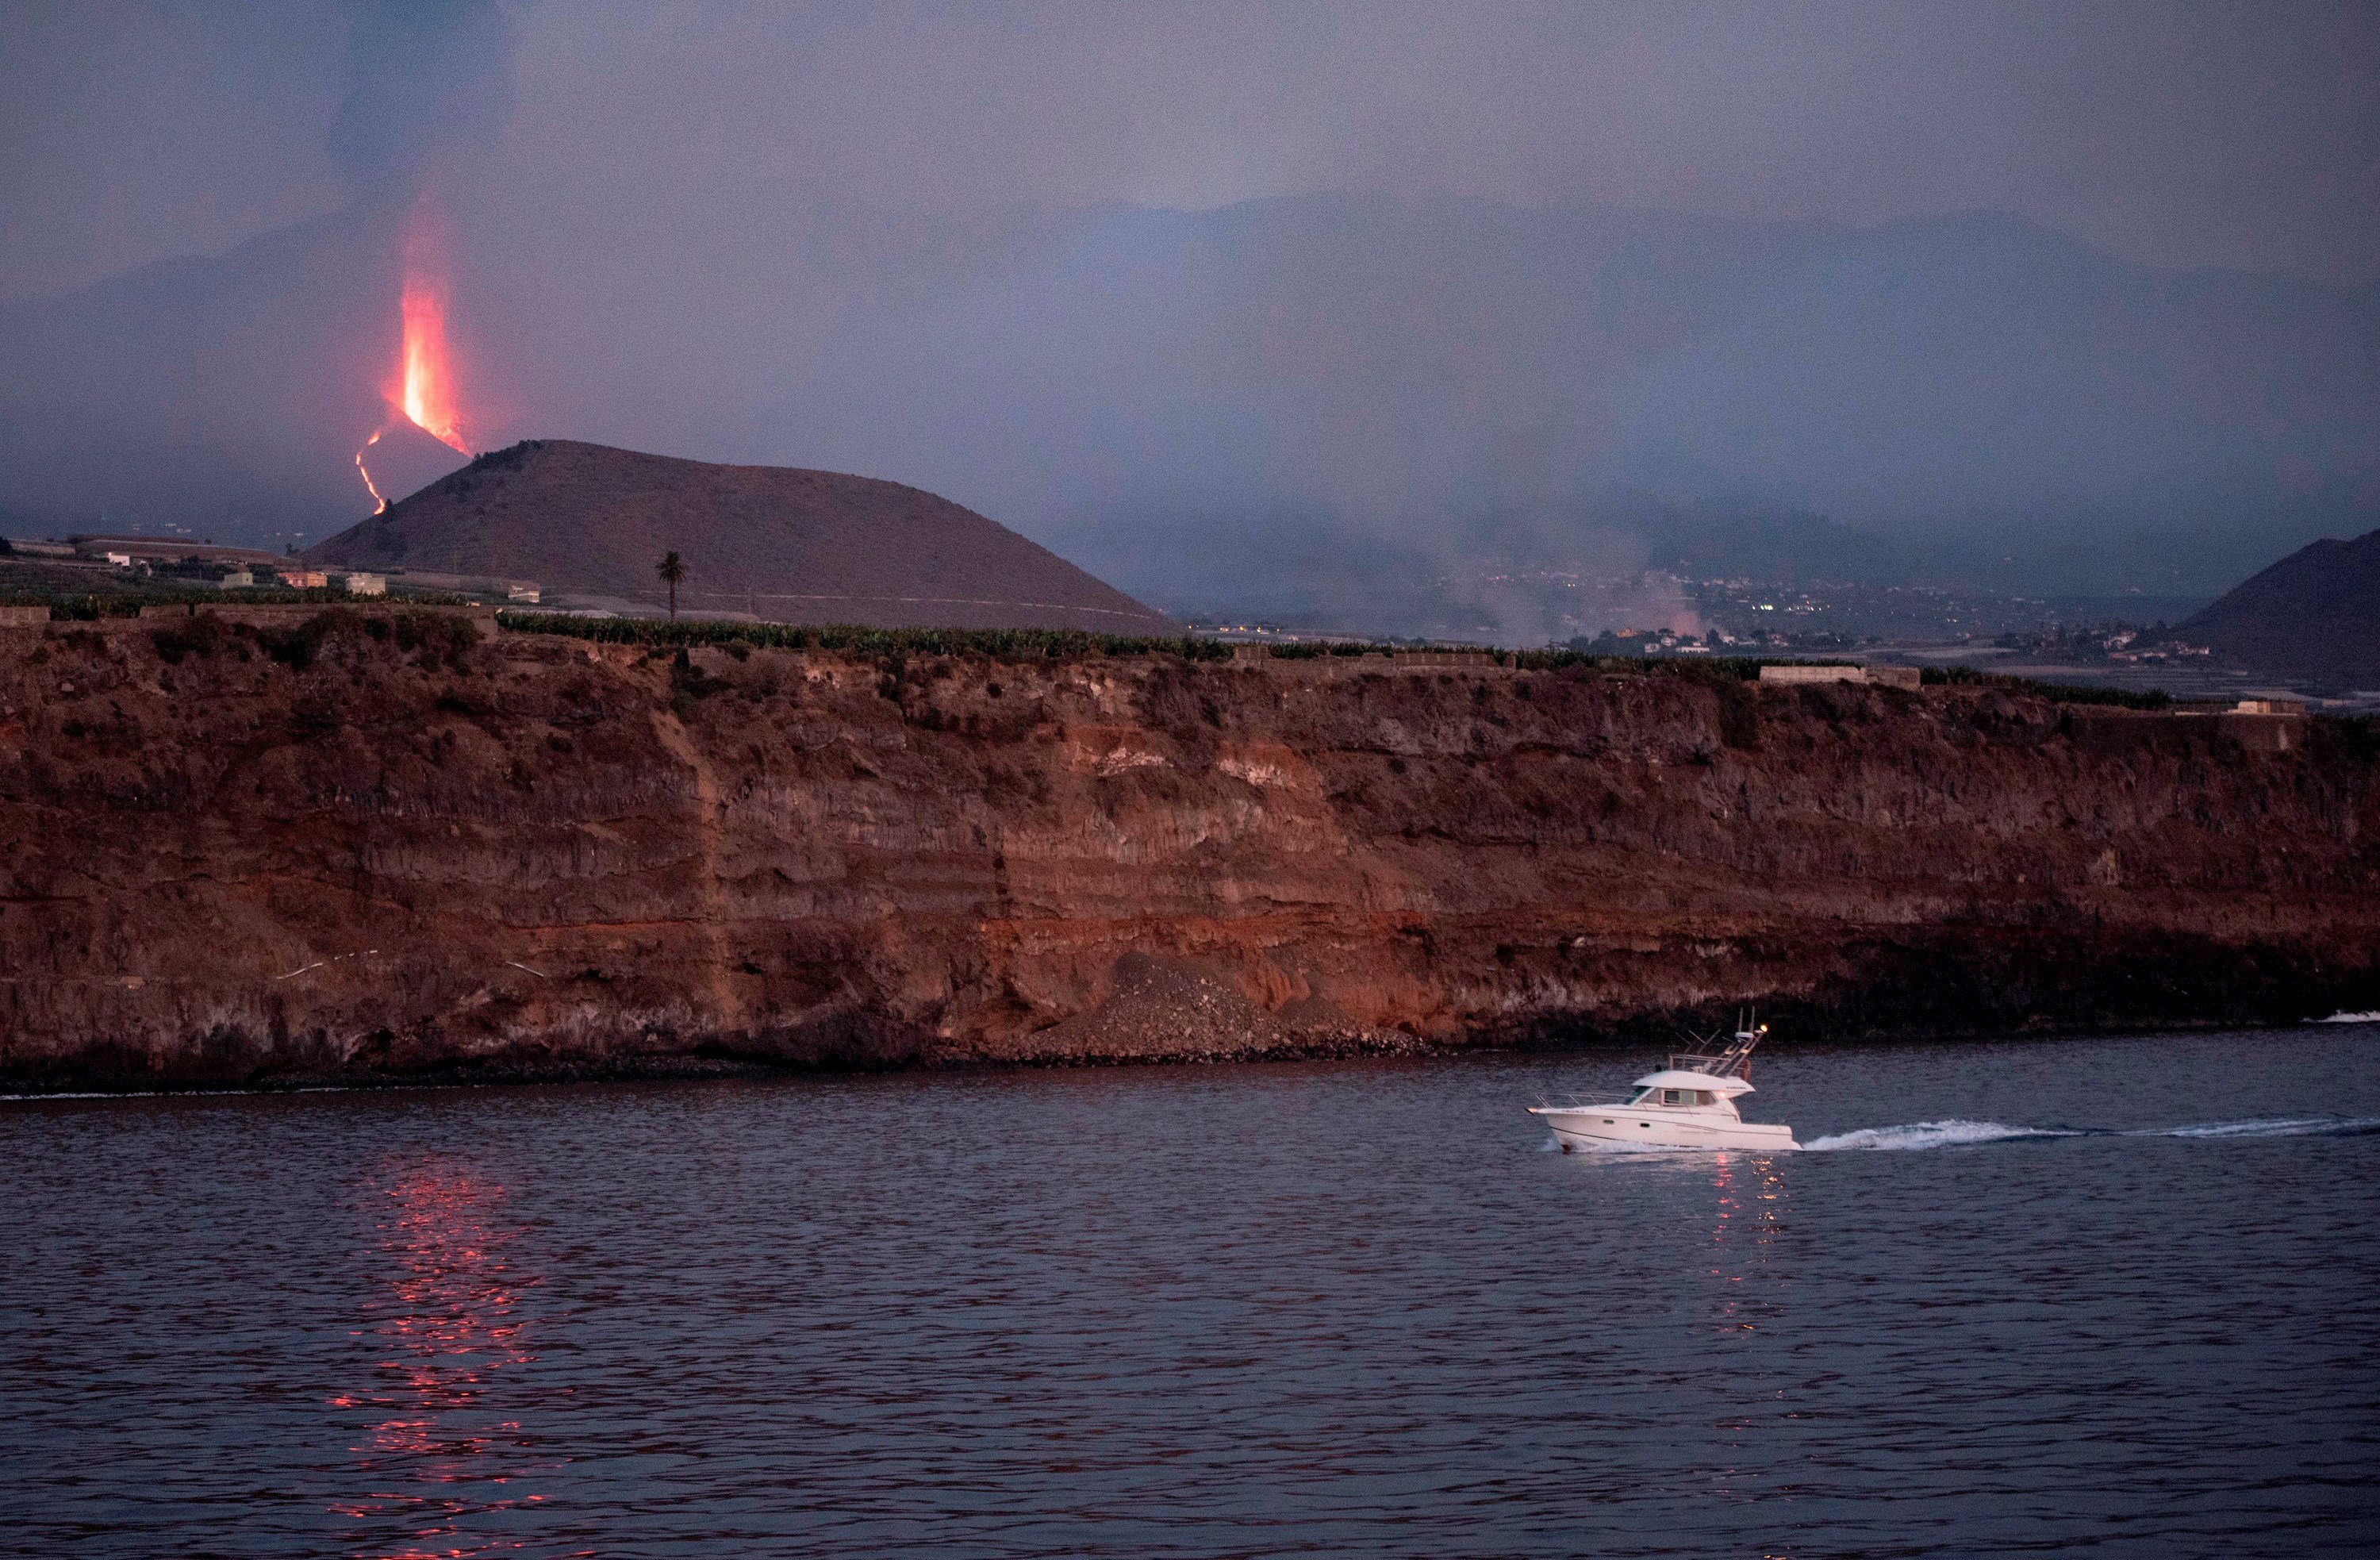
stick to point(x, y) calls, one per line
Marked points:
point(421, 390)
point(425, 388)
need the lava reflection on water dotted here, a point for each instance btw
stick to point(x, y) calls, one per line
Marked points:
point(445, 1316)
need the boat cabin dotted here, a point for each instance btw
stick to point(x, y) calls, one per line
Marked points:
point(1687, 1090)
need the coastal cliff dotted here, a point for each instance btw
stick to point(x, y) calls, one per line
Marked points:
point(391, 844)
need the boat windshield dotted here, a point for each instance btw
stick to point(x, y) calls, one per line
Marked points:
point(1646, 1095)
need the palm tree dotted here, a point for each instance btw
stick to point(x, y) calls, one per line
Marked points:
point(673, 568)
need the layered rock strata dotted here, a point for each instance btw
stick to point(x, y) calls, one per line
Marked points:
point(381, 845)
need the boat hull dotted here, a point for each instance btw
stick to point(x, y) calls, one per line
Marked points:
point(1602, 1128)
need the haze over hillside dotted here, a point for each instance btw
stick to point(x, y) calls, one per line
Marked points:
point(789, 546)
point(1436, 380)
point(1290, 401)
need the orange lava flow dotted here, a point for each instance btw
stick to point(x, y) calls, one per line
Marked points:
point(378, 503)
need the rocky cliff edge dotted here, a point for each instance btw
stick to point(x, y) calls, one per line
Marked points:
point(386, 845)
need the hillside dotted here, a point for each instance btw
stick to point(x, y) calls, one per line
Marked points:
point(786, 544)
point(2314, 613)
point(375, 848)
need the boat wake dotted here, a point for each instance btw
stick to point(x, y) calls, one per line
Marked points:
point(1931, 1135)
point(1956, 1134)
point(43, 1096)
point(2304, 1127)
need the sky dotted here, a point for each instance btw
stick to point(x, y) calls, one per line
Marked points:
point(671, 225)
point(2238, 135)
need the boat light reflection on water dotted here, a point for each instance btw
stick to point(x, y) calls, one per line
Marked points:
point(1750, 1195)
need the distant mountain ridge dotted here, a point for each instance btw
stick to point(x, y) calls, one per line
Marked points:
point(1262, 392)
point(2314, 613)
point(783, 543)
point(1281, 377)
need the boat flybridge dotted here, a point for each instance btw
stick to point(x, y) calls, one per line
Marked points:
point(1688, 1104)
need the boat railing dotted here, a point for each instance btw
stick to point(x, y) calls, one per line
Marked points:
point(1734, 1059)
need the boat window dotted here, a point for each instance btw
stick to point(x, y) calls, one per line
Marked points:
point(1704, 1097)
point(1639, 1097)
point(1677, 1096)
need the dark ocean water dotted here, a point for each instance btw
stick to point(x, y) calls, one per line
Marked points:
point(1347, 1308)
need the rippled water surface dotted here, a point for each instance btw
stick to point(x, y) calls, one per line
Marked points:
point(2054, 1296)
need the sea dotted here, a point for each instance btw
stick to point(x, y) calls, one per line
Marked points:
point(2113, 1297)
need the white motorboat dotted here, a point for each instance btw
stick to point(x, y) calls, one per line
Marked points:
point(1688, 1104)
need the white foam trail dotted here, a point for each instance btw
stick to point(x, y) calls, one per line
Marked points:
point(2294, 1127)
point(2350, 1018)
point(1931, 1135)
point(196, 1093)
point(93, 1094)
point(1954, 1134)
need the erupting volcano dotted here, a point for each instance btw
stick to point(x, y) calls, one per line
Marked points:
point(421, 389)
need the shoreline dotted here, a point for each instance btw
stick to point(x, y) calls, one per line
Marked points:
point(665, 1067)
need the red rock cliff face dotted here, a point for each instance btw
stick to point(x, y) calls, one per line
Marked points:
point(373, 849)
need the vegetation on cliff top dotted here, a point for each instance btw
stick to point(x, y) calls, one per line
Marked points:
point(997, 644)
point(1068, 644)
point(1003, 644)
point(2056, 693)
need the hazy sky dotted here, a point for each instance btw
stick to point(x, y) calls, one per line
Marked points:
point(2217, 135)
point(1187, 290)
